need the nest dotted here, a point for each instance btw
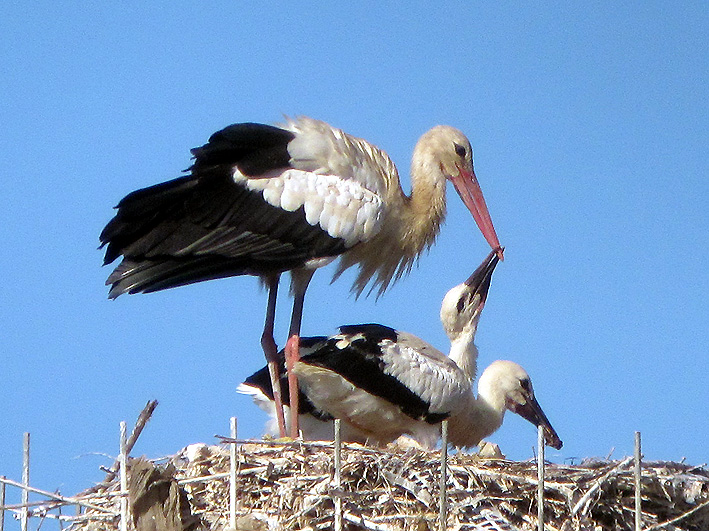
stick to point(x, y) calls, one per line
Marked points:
point(291, 486)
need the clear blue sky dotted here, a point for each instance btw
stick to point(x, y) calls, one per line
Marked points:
point(589, 125)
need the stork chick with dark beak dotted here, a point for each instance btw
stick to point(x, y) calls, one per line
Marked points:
point(384, 383)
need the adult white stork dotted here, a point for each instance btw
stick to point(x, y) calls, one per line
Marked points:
point(384, 383)
point(261, 200)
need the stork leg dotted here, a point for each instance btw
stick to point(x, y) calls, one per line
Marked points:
point(300, 278)
point(270, 349)
point(292, 351)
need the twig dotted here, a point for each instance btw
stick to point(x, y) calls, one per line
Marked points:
point(679, 518)
point(443, 493)
point(224, 475)
point(232, 475)
point(57, 497)
point(59, 517)
point(221, 475)
point(597, 485)
point(540, 478)
point(637, 471)
point(301, 444)
point(143, 419)
point(500, 476)
point(25, 480)
point(338, 475)
point(696, 468)
point(366, 524)
point(2, 504)
point(77, 518)
point(123, 460)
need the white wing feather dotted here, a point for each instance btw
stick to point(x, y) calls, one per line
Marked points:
point(343, 208)
point(427, 372)
point(322, 149)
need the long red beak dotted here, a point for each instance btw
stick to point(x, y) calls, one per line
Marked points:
point(468, 188)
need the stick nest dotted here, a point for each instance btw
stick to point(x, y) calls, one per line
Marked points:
point(290, 486)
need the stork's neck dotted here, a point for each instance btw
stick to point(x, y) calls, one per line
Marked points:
point(425, 208)
point(410, 227)
point(464, 353)
point(476, 420)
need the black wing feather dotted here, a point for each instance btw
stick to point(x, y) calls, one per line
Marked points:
point(373, 333)
point(205, 226)
point(361, 364)
point(253, 148)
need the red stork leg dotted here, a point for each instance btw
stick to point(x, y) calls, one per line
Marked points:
point(292, 351)
point(300, 278)
point(270, 349)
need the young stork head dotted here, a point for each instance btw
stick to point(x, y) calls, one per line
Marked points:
point(463, 304)
point(460, 313)
point(505, 385)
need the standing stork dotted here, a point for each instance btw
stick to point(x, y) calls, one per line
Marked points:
point(261, 200)
point(384, 383)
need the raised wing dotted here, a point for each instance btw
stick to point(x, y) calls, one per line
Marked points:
point(244, 209)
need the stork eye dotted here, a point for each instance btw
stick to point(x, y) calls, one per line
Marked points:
point(460, 150)
point(461, 304)
point(464, 301)
point(526, 385)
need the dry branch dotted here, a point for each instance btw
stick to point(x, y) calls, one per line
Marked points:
point(57, 497)
point(703, 507)
point(140, 423)
point(598, 483)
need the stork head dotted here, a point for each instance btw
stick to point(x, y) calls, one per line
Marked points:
point(451, 154)
point(463, 305)
point(507, 386)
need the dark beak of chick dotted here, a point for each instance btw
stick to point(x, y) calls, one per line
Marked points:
point(533, 412)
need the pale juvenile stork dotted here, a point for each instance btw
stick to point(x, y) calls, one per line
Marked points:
point(384, 383)
point(261, 200)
